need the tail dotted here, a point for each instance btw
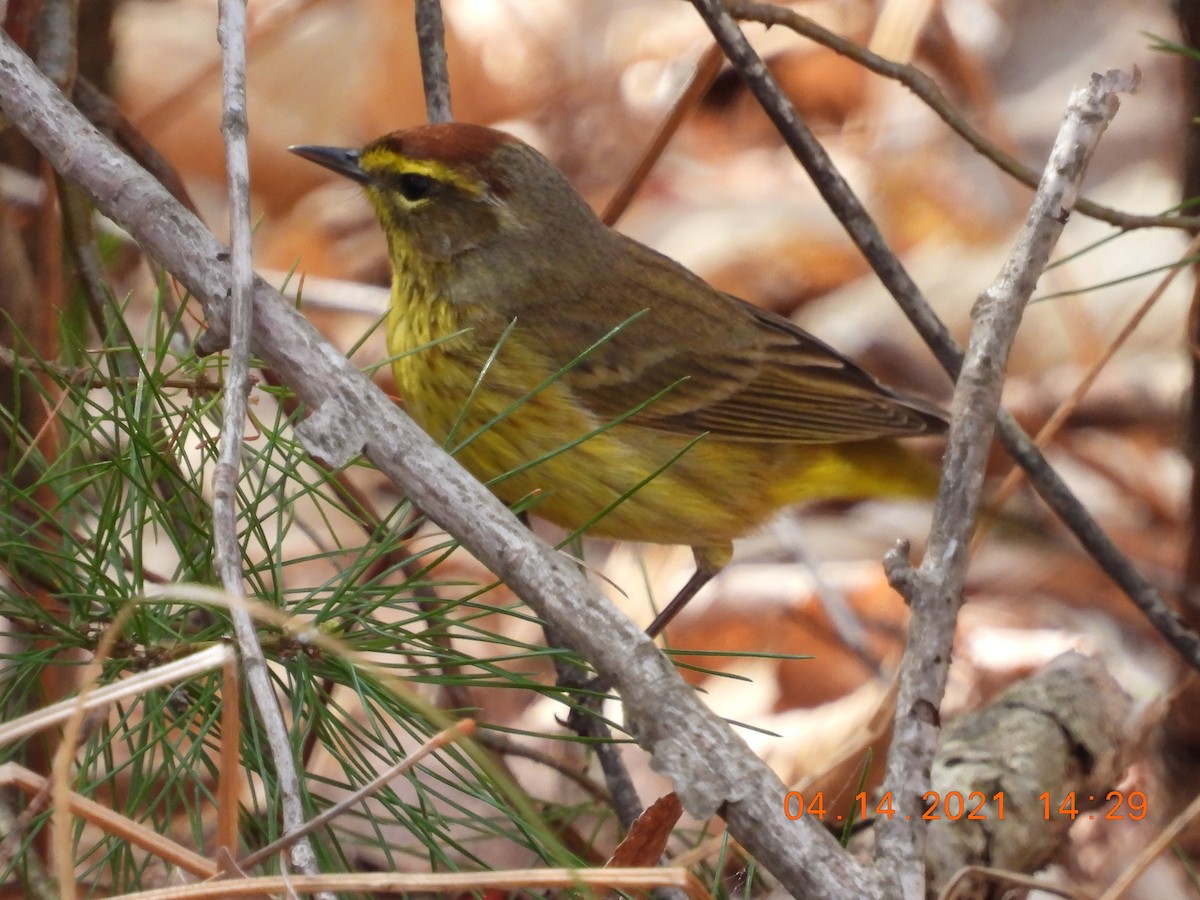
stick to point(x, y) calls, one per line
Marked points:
point(854, 471)
point(889, 469)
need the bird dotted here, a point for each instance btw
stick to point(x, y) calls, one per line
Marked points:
point(575, 370)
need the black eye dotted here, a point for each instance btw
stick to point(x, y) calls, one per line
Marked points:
point(413, 187)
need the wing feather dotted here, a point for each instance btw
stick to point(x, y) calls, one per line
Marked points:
point(743, 374)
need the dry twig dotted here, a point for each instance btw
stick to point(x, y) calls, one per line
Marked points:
point(935, 590)
point(431, 41)
point(231, 32)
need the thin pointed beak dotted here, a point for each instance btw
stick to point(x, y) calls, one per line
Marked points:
point(337, 159)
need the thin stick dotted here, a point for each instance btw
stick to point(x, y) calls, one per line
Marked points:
point(231, 33)
point(431, 41)
point(935, 590)
point(442, 882)
point(33, 784)
point(229, 778)
point(707, 70)
point(1047, 432)
point(133, 686)
point(1187, 14)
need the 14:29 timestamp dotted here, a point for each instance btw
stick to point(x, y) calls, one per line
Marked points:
point(1131, 805)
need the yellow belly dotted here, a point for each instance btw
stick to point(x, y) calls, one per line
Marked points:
point(677, 489)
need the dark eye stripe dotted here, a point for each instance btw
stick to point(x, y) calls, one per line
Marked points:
point(413, 186)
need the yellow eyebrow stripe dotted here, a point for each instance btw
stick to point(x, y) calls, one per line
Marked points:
point(383, 161)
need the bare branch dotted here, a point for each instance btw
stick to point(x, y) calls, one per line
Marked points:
point(936, 593)
point(708, 67)
point(231, 32)
point(431, 40)
point(58, 42)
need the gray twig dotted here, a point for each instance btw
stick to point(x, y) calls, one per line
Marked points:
point(935, 590)
point(431, 41)
point(231, 33)
point(58, 42)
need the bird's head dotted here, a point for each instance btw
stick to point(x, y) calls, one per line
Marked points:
point(442, 190)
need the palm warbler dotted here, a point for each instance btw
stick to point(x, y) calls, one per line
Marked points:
point(575, 366)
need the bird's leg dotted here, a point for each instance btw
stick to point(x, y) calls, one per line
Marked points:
point(709, 561)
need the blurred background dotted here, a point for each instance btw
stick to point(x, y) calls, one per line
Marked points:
point(588, 82)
